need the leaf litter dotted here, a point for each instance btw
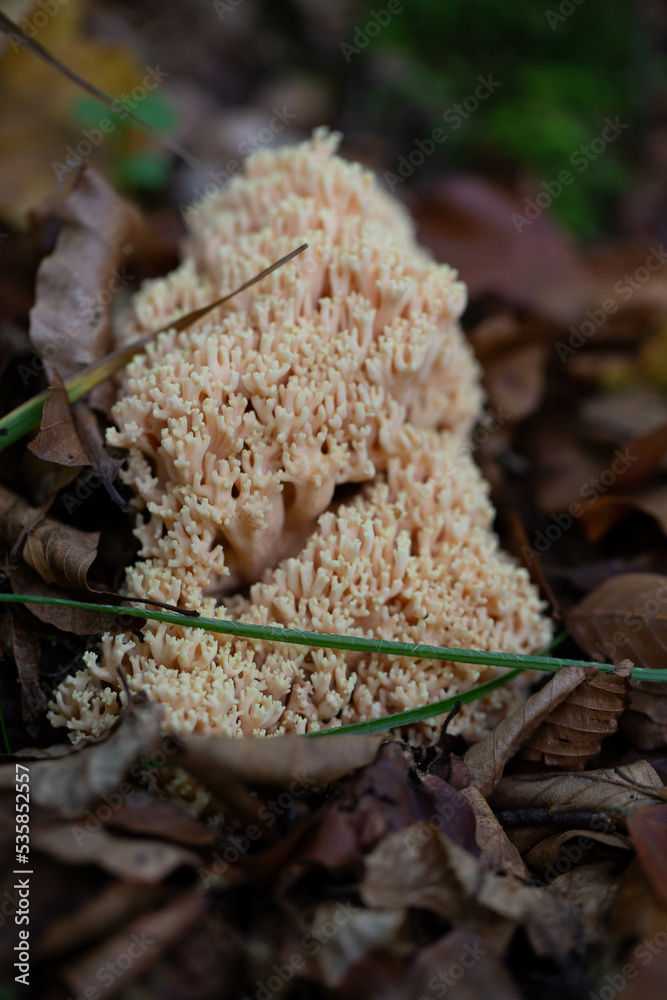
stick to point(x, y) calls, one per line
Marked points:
point(362, 865)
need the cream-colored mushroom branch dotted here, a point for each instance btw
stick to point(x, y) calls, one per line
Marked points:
point(299, 458)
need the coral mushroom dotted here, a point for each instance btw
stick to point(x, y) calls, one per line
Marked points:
point(348, 368)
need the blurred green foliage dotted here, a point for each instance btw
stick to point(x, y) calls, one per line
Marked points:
point(134, 162)
point(561, 75)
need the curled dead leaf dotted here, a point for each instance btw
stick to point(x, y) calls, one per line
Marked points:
point(60, 554)
point(486, 760)
point(70, 323)
point(572, 734)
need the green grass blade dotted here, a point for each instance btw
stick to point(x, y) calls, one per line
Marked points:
point(414, 715)
point(28, 415)
point(323, 640)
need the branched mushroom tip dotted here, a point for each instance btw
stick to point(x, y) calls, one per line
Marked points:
point(307, 441)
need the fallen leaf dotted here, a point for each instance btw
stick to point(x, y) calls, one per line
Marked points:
point(647, 452)
point(99, 915)
point(515, 380)
point(486, 759)
point(626, 616)
point(572, 734)
point(59, 553)
point(605, 512)
point(463, 964)
point(142, 813)
point(388, 795)
point(636, 912)
point(275, 762)
point(592, 889)
point(70, 323)
point(68, 785)
point(467, 221)
point(150, 934)
point(648, 829)
point(619, 791)
point(67, 619)
point(421, 867)
point(136, 859)
point(644, 724)
point(574, 847)
point(498, 853)
point(359, 931)
point(37, 124)
point(58, 440)
point(23, 645)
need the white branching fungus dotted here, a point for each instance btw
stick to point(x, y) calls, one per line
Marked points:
point(345, 367)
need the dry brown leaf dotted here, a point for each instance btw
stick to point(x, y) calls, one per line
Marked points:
point(498, 853)
point(637, 912)
point(359, 931)
point(435, 969)
point(467, 222)
point(515, 380)
point(605, 512)
point(648, 452)
point(576, 847)
point(142, 813)
point(421, 867)
point(70, 784)
point(58, 440)
point(278, 762)
point(486, 760)
point(622, 789)
point(70, 323)
point(23, 645)
point(644, 724)
point(99, 915)
point(572, 734)
point(76, 620)
point(135, 859)
point(60, 554)
point(626, 616)
point(592, 889)
point(648, 829)
point(150, 935)
point(560, 465)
